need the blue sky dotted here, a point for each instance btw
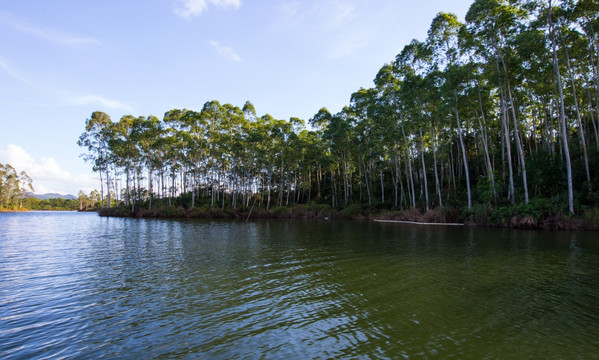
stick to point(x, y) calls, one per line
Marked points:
point(61, 60)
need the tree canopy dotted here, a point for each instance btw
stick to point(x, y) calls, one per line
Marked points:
point(502, 109)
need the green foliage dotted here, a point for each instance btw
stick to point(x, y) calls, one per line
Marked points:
point(592, 216)
point(51, 204)
point(478, 100)
point(13, 187)
point(351, 210)
point(171, 212)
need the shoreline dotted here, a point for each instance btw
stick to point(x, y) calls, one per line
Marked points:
point(436, 217)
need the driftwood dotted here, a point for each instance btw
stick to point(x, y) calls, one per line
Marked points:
point(418, 223)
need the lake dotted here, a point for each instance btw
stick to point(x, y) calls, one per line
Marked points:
point(80, 286)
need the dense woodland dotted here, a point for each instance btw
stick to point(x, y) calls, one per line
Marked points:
point(502, 110)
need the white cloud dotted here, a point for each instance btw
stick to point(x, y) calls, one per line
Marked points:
point(225, 51)
point(97, 99)
point(47, 175)
point(51, 35)
point(189, 8)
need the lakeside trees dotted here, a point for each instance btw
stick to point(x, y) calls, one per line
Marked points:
point(502, 109)
point(13, 186)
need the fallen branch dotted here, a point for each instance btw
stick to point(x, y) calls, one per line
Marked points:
point(246, 220)
point(417, 223)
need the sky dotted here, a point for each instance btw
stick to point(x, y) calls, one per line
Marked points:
point(61, 60)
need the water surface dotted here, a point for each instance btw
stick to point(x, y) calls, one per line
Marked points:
point(81, 286)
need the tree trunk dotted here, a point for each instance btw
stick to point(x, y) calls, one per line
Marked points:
point(519, 149)
point(424, 169)
point(434, 148)
point(483, 125)
point(580, 127)
point(464, 155)
point(562, 116)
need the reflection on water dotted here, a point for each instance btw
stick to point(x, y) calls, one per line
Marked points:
point(80, 286)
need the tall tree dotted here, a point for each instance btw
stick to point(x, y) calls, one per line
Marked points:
point(95, 141)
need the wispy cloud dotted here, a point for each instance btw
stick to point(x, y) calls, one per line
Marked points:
point(48, 34)
point(290, 14)
point(60, 96)
point(346, 45)
point(91, 99)
point(322, 15)
point(189, 8)
point(47, 175)
point(340, 13)
point(225, 51)
point(7, 69)
point(336, 26)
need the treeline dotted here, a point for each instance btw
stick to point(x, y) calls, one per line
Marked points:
point(14, 186)
point(55, 204)
point(498, 111)
point(84, 202)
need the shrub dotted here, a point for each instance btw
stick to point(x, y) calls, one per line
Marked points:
point(353, 209)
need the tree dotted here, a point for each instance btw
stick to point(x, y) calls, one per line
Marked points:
point(95, 140)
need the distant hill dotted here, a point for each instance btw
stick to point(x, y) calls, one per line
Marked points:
point(52, 196)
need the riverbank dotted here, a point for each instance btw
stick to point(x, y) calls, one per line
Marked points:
point(529, 217)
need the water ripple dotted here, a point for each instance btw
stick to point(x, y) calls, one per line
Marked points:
point(80, 286)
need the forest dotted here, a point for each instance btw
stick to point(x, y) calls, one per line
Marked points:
point(499, 112)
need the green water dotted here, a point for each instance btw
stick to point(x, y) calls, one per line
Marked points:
point(81, 286)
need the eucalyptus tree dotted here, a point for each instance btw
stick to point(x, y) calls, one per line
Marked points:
point(572, 43)
point(443, 39)
point(562, 114)
point(83, 200)
point(211, 115)
point(8, 178)
point(123, 152)
point(493, 24)
point(3, 174)
point(280, 132)
point(337, 136)
point(585, 18)
point(266, 153)
point(231, 135)
point(14, 186)
point(253, 141)
point(320, 121)
point(94, 195)
point(95, 139)
point(8, 184)
point(362, 107)
point(412, 65)
point(145, 134)
point(25, 185)
point(188, 128)
point(387, 86)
